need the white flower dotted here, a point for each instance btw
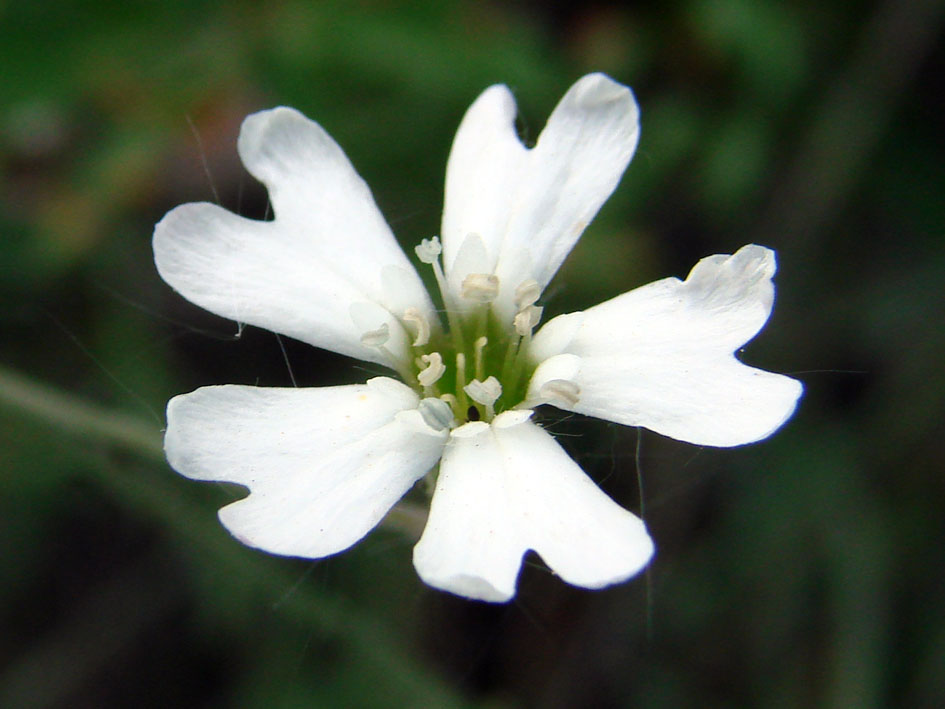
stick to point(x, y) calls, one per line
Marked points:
point(325, 465)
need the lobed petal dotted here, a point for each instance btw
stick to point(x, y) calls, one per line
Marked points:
point(507, 488)
point(323, 465)
point(529, 207)
point(299, 275)
point(663, 356)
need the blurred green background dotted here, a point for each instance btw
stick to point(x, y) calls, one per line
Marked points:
point(806, 570)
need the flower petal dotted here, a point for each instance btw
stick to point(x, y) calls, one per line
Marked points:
point(531, 206)
point(507, 488)
point(327, 249)
point(323, 465)
point(662, 356)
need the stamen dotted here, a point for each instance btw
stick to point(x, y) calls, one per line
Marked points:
point(562, 393)
point(461, 380)
point(509, 360)
point(437, 413)
point(429, 250)
point(527, 293)
point(485, 393)
point(480, 287)
point(557, 391)
point(479, 345)
point(433, 371)
point(451, 400)
point(526, 320)
point(376, 338)
point(524, 323)
point(419, 320)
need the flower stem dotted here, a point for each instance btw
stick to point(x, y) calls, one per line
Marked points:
point(72, 414)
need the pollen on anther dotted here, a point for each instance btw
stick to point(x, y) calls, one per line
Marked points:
point(437, 413)
point(422, 325)
point(429, 250)
point(558, 391)
point(485, 392)
point(433, 371)
point(527, 293)
point(376, 338)
point(480, 287)
point(527, 319)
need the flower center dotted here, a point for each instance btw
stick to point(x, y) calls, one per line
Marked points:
point(480, 366)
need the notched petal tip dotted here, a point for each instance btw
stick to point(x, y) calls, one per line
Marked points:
point(637, 556)
point(597, 97)
point(179, 450)
point(499, 92)
point(761, 255)
point(258, 128)
point(509, 488)
point(785, 397)
point(663, 356)
point(177, 228)
point(474, 588)
point(744, 269)
point(531, 205)
point(753, 263)
point(600, 88)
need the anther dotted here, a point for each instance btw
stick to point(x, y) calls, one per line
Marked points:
point(418, 320)
point(560, 391)
point(433, 371)
point(480, 287)
point(485, 393)
point(527, 293)
point(450, 401)
point(376, 338)
point(429, 250)
point(526, 320)
point(437, 413)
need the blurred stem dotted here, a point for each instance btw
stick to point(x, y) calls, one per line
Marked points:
point(77, 416)
point(72, 414)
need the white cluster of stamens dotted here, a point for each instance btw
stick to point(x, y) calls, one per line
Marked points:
point(467, 344)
